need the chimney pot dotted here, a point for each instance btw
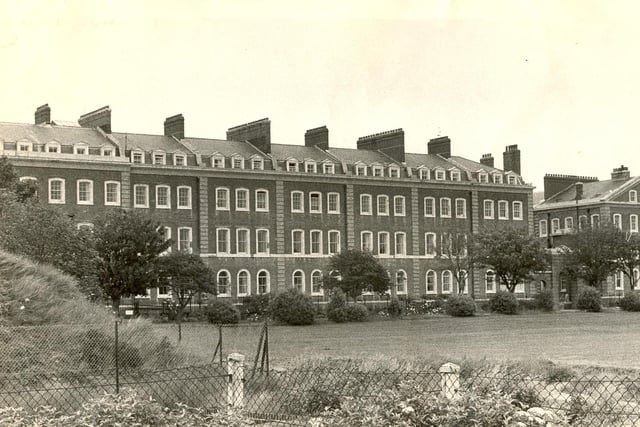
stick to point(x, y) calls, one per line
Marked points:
point(390, 142)
point(511, 159)
point(487, 160)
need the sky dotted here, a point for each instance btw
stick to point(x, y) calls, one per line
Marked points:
point(558, 78)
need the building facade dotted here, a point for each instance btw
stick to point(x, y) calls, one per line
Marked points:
point(267, 216)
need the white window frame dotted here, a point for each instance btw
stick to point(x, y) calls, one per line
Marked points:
point(445, 201)
point(294, 233)
point(337, 203)
point(106, 192)
point(181, 156)
point(107, 151)
point(257, 161)
point(555, 226)
point(370, 199)
point(361, 170)
point(81, 146)
point(454, 174)
point(384, 235)
point(542, 228)
point(228, 287)
point(268, 282)
point(248, 203)
point(633, 196)
point(378, 171)
point(394, 172)
point(166, 232)
point(511, 179)
point(617, 220)
point(423, 174)
point(463, 213)
point(315, 195)
point(433, 207)
point(385, 203)
point(316, 274)
point(238, 159)
point(399, 209)
point(362, 241)
point(158, 153)
point(61, 200)
point(247, 233)
point(483, 177)
point(449, 274)
point(405, 285)
point(302, 286)
point(146, 196)
point(441, 174)
point(190, 248)
point(82, 225)
point(53, 144)
point(435, 282)
point(248, 277)
point(318, 234)
point(331, 233)
point(594, 218)
point(400, 251)
point(90, 192)
point(568, 223)
point(25, 144)
point(618, 280)
point(189, 197)
point(329, 168)
point(292, 166)
point(488, 204)
point(506, 209)
point(493, 282)
point(217, 161)
point(516, 210)
point(633, 223)
point(257, 245)
point(163, 295)
point(136, 153)
point(301, 208)
point(426, 245)
point(310, 166)
point(168, 205)
point(258, 193)
point(497, 178)
point(219, 232)
point(225, 206)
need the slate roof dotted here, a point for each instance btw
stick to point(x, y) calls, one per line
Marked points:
point(300, 152)
point(591, 191)
point(472, 166)
point(137, 141)
point(41, 134)
point(415, 160)
point(352, 156)
point(207, 147)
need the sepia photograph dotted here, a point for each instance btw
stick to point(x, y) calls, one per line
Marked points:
point(357, 213)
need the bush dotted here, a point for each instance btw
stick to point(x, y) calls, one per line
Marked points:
point(293, 308)
point(97, 351)
point(503, 302)
point(460, 306)
point(337, 307)
point(256, 306)
point(544, 300)
point(357, 313)
point(589, 300)
point(394, 308)
point(222, 312)
point(630, 302)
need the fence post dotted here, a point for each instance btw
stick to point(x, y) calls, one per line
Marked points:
point(235, 389)
point(449, 380)
point(117, 361)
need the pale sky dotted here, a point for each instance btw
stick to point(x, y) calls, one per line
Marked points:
point(559, 78)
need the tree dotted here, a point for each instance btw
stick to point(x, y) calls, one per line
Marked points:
point(354, 271)
point(628, 256)
point(511, 253)
point(128, 245)
point(593, 253)
point(457, 255)
point(9, 182)
point(185, 275)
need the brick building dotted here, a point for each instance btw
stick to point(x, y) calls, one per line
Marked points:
point(267, 216)
point(573, 202)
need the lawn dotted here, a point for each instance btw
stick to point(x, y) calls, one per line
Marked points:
point(602, 339)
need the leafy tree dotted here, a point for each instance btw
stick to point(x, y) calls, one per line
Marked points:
point(628, 256)
point(9, 182)
point(353, 271)
point(593, 253)
point(128, 245)
point(185, 275)
point(457, 254)
point(511, 253)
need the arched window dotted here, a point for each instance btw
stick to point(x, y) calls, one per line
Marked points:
point(446, 282)
point(490, 281)
point(243, 283)
point(316, 282)
point(431, 282)
point(264, 282)
point(224, 283)
point(298, 280)
point(401, 282)
point(636, 276)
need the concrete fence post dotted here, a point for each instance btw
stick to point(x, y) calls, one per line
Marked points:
point(235, 389)
point(449, 380)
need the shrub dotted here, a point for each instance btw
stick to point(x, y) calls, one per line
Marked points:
point(504, 302)
point(293, 307)
point(589, 300)
point(544, 300)
point(460, 306)
point(630, 302)
point(97, 350)
point(357, 313)
point(256, 306)
point(337, 307)
point(222, 312)
point(558, 374)
point(394, 308)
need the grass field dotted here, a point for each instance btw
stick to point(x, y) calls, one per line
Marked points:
point(609, 339)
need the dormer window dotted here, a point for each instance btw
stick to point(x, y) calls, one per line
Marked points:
point(497, 178)
point(237, 162)
point(483, 178)
point(378, 171)
point(310, 166)
point(52, 147)
point(423, 174)
point(137, 157)
point(107, 151)
point(633, 196)
point(361, 170)
point(329, 168)
point(159, 158)
point(257, 164)
point(511, 179)
point(179, 160)
point(217, 162)
point(25, 146)
point(292, 166)
point(454, 174)
point(81, 149)
point(440, 175)
point(394, 172)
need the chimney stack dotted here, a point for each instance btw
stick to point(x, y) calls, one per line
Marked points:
point(257, 133)
point(100, 118)
point(43, 114)
point(579, 190)
point(390, 143)
point(174, 126)
point(317, 137)
point(554, 183)
point(511, 159)
point(620, 173)
point(487, 160)
point(440, 145)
